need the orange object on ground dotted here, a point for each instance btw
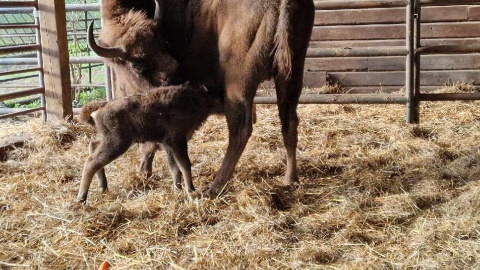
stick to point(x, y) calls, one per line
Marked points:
point(104, 266)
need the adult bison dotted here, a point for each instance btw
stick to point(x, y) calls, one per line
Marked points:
point(229, 46)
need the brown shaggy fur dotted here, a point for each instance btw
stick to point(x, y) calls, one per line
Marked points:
point(167, 115)
point(230, 46)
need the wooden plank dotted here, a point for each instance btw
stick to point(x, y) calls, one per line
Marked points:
point(376, 43)
point(55, 59)
point(314, 78)
point(474, 13)
point(310, 79)
point(395, 31)
point(390, 15)
point(397, 78)
point(397, 63)
point(385, 89)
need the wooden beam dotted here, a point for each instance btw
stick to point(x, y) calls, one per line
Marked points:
point(53, 31)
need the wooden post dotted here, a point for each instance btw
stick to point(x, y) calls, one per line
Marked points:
point(53, 29)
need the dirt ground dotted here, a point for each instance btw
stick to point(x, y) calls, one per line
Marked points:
point(374, 193)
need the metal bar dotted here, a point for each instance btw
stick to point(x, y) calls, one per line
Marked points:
point(41, 75)
point(15, 4)
point(410, 65)
point(20, 71)
point(417, 62)
point(108, 82)
point(16, 10)
point(82, 7)
point(355, 52)
point(449, 49)
point(33, 61)
point(449, 96)
point(14, 112)
point(10, 86)
point(355, 4)
point(340, 99)
point(24, 93)
point(448, 2)
point(19, 48)
point(86, 60)
point(18, 26)
point(352, 4)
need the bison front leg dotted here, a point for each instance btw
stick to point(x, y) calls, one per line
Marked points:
point(239, 120)
point(148, 150)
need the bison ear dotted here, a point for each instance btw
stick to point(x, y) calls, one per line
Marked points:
point(159, 11)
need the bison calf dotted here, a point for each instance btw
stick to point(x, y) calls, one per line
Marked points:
point(166, 115)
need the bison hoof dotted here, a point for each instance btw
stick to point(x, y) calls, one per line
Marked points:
point(82, 199)
point(213, 193)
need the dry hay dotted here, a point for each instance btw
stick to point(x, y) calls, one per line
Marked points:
point(374, 193)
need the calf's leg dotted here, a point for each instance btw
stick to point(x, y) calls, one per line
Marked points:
point(148, 150)
point(102, 178)
point(105, 152)
point(172, 166)
point(180, 153)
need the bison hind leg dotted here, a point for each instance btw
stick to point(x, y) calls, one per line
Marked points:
point(288, 92)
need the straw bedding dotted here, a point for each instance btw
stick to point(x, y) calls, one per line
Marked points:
point(374, 193)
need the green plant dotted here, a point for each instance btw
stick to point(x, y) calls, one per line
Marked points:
point(89, 94)
point(31, 105)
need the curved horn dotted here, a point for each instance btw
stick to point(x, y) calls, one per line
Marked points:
point(102, 51)
point(159, 10)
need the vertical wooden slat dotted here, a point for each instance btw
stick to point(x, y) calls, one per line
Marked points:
point(53, 31)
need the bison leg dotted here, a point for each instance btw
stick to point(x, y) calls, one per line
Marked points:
point(148, 153)
point(172, 166)
point(102, 178)
point(288, 89)
point(239, 120)
point(288, 92)
point(180, 153)
point(104, 153)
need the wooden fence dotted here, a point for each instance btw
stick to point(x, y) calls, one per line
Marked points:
point(374, 27)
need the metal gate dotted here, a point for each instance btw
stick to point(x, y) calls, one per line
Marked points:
point(412, 52)
point(22, 7)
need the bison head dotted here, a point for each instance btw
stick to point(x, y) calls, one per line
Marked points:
point(132, 45)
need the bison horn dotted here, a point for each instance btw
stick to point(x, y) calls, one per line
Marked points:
point(159, 9)
point(102, 51)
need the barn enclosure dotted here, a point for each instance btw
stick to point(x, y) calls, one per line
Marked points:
point(373, 193)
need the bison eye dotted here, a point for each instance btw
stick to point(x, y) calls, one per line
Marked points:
point(139, 68)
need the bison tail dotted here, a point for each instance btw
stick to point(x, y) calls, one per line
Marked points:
point(283, 53)
point(87, 110)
